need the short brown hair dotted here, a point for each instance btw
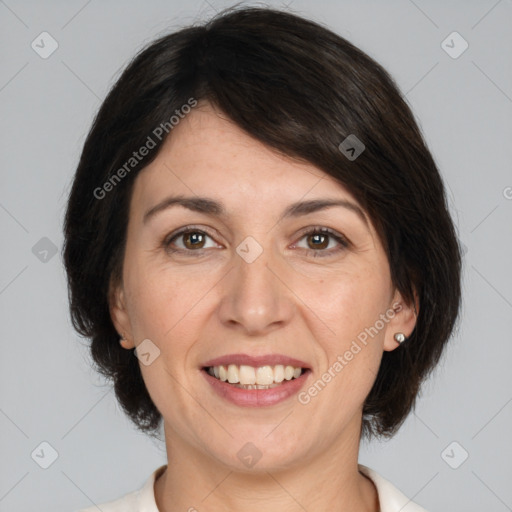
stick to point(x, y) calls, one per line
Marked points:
point(300, 89)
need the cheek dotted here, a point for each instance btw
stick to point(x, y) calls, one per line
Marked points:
point(351, 306)
point(165, 310)
point(349, 302)
point(162, 300)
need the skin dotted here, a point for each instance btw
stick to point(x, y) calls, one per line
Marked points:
point(197, 307)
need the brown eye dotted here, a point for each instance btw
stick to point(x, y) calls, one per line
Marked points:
point(187, 240)
point(193, 240)
point(318, 241)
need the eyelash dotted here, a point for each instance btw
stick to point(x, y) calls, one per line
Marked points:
point(317, 230)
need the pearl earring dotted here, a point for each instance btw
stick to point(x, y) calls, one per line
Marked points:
point(122, 339)
point(399, 337)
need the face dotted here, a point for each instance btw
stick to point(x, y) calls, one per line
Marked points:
point(254, 286)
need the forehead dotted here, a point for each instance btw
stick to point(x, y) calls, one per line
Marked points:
point(207, 154)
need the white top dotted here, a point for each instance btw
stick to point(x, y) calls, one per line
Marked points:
point(143, 500)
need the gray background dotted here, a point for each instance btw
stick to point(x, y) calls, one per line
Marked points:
point(48, 391)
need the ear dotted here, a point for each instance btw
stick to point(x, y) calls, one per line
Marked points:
point(119, 314)
point(403, 320)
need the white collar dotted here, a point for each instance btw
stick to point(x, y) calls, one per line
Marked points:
point(390, 498)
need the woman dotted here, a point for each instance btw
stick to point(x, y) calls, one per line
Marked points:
point(256, 217)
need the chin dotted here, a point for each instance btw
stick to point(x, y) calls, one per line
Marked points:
point(254, 451)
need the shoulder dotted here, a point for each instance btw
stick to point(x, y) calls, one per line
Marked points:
point(391, 499)
point(140, 500)
point(127, 503)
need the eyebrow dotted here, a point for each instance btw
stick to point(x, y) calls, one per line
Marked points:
point(212, 207)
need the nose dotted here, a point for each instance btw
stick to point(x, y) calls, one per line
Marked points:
point(256, 299)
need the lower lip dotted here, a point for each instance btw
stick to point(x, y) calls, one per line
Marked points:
point(256, 397)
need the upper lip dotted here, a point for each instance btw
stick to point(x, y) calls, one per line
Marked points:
point(256, 361)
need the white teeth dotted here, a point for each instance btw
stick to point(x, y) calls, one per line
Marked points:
point(279, 373)
point(264, 375)
point(247, 375)
point(254, 386)
point(233, 374)
point(250, 377)
point(288, 372)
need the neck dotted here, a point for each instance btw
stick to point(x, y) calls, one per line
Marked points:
point(193, 482)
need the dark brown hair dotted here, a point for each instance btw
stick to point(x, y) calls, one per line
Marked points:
point(300, 89)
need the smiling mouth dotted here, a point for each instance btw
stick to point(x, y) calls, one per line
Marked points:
point(250, 377)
